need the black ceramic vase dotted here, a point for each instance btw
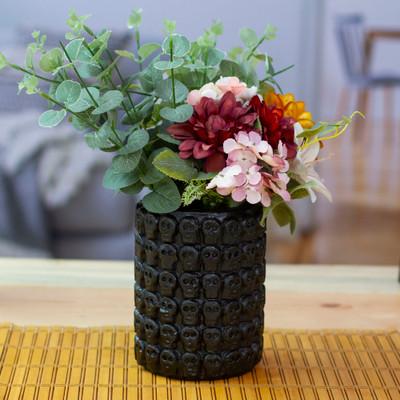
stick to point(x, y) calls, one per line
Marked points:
point(199, 292)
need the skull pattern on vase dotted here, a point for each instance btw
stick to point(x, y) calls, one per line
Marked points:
point(211, 312)
point(138, 324)
point(213, 365)
point(232, 231)
point(140, 347)
point(189, 230)
point(139, 272)
point(191, 365)
point(167, 283)
point(210, 257)
point(167, 228)
point(232, 313)
point(190, 285)
point(189, 258)
point(150, 278)
point(168, 335)
point(168, 256)
point(168, 362)
point(190, 312)
point(151, 330)
point(211, 229)
point(151, 251)
point(152, 354)
point(168, 310)
point(139, 298)
point(212, 339)
point(190, 338)
point(232, 258)
point(150, 226)
point(231, 287)
point(150, 303)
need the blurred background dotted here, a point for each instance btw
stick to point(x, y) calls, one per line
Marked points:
point(346, 55)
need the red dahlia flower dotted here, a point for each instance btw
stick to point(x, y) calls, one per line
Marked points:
point(274, 126)
point(210, 125)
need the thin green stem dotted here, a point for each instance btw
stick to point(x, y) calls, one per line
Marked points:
point(141, 93)
point(256, 46)
point(171, 56)
point(137, 38)
point(78, 75)
point(278, 73)
point(43, 78)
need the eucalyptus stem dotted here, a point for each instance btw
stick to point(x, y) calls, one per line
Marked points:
point(256, 46)
point(137, 38)
point(43, 78)
point(141, 93)
point(171, 57)
point(277, 73)
point(78, 75)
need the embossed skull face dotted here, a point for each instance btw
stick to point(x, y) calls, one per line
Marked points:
point(139, 272)
point(151, 330)
point(150, 277)
point(190, 312)
point(152, 355)
point(212, 338)
point(248, 277)
point(190, 285)
point(249, 306)
point(211, 231)
point(167, 282)
point(150, 226)
point(210, 257)
point(232, 285)
point(151, 303)
point(231, 258)
point(213, 365)
point(245, 356)
point(232, 231)
point(168, 256)
point(251, 228)
point(232, 312)
point(139, 327)
point(168, 336)
point(139, 222)
point(211, 285)
point(140, 351)
point(191, 365)
point(168, 310)
point(212, 312)
point(139, 247)
point(167, 228)
point(168, 362)
point(189, 258)
point(139, 298)
point(151, 251)
point(249, 253)
point(232, 360)
point(231, 335)
point(189, 230)
point(248, 331)
point(260, 252)
point(259, 272)
point(190, 338)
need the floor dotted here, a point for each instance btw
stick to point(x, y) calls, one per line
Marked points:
point(362, 225)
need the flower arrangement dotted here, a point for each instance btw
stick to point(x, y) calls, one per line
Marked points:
point(192, 124)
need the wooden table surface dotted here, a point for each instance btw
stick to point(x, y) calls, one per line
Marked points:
point(95, 293)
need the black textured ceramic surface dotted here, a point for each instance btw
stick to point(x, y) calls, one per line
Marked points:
point(199, 292)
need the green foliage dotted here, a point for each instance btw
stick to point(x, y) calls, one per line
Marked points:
point(249, 37)
point(68, 92)
point(135, 19)
point(178, 44)
point(195, 190)
point(84, 101)
point(179, 114)
point(169, 26)
point(100, 139)
point(109, 101)
point(52, 118)
point(284, 215)
point(136, 141)
point(51, 60)
point(126, 163)
point(29, 83)
point(133, 189)
point(147, 50)
point(3, 61)
point(168, 138)
point(170, 164)
point(115, 180)
point(163, 90)
point(126, 54)
point(164, 198)
point(167, 65)
point(76, 23)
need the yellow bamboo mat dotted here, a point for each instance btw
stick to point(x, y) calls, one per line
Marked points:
point(98, 364)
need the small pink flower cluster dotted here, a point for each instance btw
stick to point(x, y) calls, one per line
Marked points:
point(253, 172)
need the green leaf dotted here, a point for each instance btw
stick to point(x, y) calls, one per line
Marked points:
point(126, 54)
point(284, 216)
point(213, 56)
point(170, 26)
point(116, 181)
point(3, 61)
point(179, 114)
point(77, 51)
point(170, 164)
point(147, 49)
point(235, 53)
point(126, 163)
point(133, 189)
point(29, 83)
point(84, 101)
point(51, 60)
point(166, 65)
point(163, 90)
point(231, 68)
point(195, 190)
point(217, 28)
point(135, 19)
point(165, 197)
point(109, 101)
point(152, 175)
point(168, 138)
point(180, 45)
point(101, 138)
point(205, 176)
point(68, 92)
point(270, 32)
point(248, 37)
point(51, 118)
point(150, 77)
point(136, 141)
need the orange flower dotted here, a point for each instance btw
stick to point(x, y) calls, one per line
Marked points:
point(291, 108)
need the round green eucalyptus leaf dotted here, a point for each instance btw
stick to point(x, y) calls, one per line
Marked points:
point(165, 197)
point(51, 60)
point(137, 140)
point(163, 90)
point(179, 114)
point(109, 101)
point(3, 61)
point(133, 189)
point(77, 51)
point(167, 65)
point(248, 37)
point(116, 181)
point(84, 101)
point(126, 163)
point(51, 118)
point(168, 138)
point(68, 92)
point(180, 45)
point(148, 49)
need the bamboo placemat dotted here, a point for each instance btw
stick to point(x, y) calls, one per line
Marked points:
point(99, 364)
